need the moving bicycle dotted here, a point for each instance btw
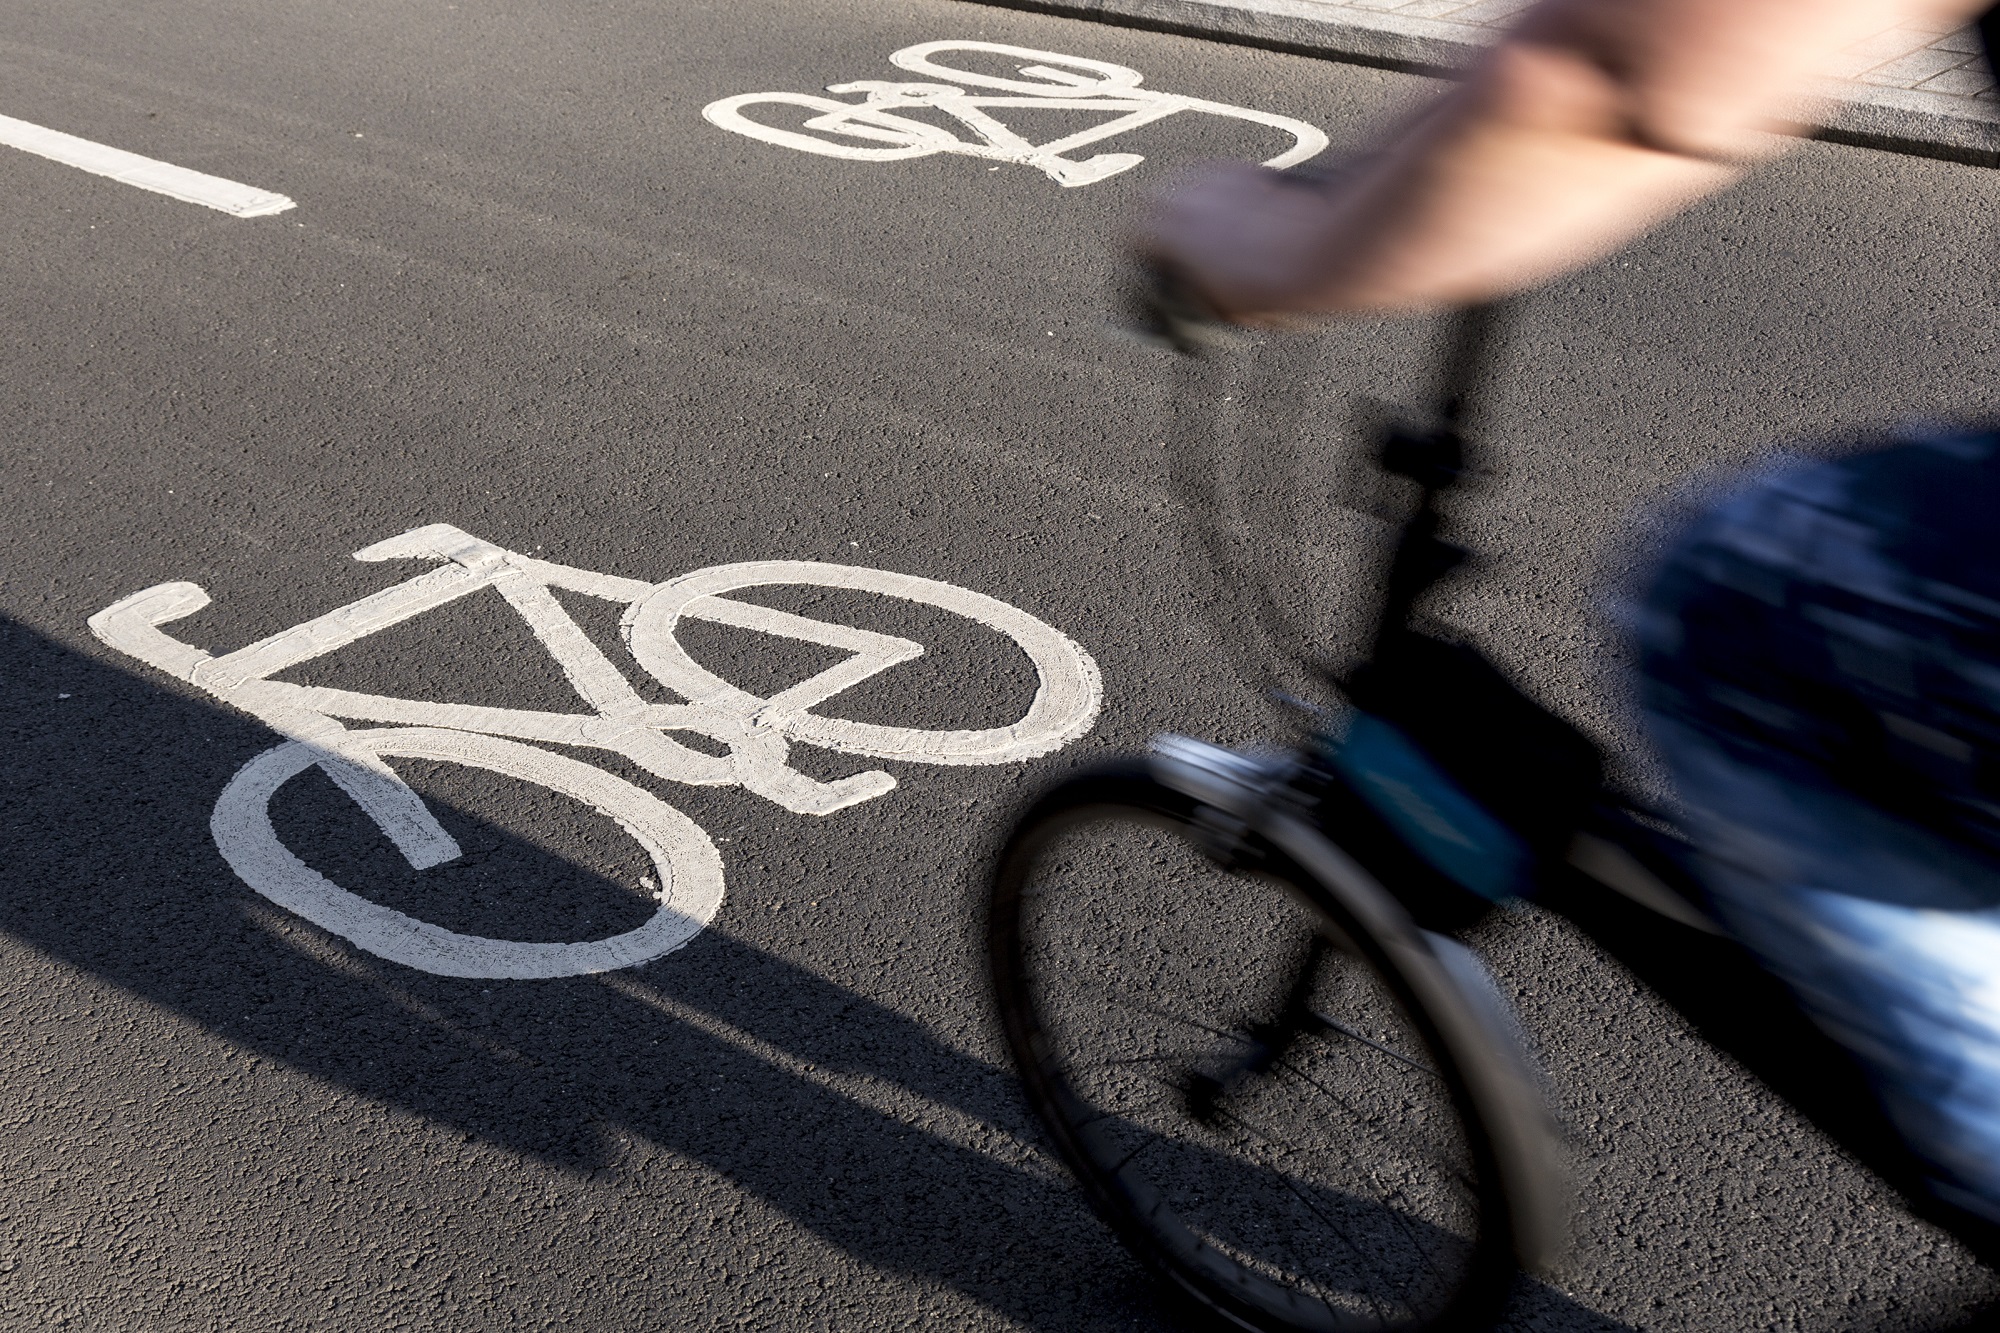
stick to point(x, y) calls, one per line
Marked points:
point(1234, 984)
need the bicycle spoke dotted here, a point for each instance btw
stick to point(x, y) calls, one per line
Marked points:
point(1268, 1142)
point(1156, 1086)
point(1110, 996)
point(1381, 1128)
point(1395, 1215)
point(1137, 1152)
point(1283, 1233)
point(1399, 1191)
point(1313, 1156)
point(1299, 1265)
point(1420, 1149)
point(1336, 1025)
point(1314, 1208)
point(1127, 1060)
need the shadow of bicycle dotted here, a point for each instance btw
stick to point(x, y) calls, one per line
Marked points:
point(871, 1111)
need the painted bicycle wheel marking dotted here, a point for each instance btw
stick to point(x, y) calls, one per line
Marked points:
point(870, 130)
point(756, 733)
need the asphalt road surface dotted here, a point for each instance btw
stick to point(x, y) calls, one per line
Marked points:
point(529, 292)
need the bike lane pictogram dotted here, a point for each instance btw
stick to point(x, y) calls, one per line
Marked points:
point(756, 732)
point(871, 130)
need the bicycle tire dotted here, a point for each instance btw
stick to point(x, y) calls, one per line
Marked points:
point(1094, 1120)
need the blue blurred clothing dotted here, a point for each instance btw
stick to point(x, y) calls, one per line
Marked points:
point(1820, 655)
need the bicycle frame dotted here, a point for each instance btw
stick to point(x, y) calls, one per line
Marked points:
point(1625, 877)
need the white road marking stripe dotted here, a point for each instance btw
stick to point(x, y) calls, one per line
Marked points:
point(243, 201)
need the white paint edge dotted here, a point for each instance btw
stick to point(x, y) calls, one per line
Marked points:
point(193, 187)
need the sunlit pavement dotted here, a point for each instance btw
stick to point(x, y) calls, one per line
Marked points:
point(526, 290)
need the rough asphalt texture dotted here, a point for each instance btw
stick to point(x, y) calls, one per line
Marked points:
point(528, 291)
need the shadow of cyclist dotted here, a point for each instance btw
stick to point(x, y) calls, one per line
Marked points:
point(894, 1136)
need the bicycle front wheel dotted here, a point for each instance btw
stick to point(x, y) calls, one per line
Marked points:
point(1245, 1078)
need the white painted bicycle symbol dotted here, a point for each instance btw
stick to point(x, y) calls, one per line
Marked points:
point(870, 130)
point(756, 733)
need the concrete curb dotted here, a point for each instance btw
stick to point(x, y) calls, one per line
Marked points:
point(1923, 124)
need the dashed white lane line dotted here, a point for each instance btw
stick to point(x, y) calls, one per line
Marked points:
point(194, 187)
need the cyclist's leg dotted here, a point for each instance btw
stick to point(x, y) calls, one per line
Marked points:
point(1822, 676)
point(1811, 881)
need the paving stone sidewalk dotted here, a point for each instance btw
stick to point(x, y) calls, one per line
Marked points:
point(1915, 88)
